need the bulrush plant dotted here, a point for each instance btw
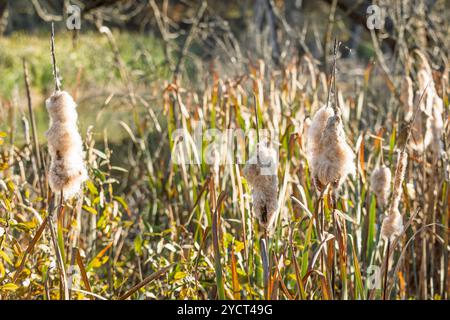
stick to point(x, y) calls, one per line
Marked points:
point(261, 171)
point(392, 226)
point(67, 170)
point(330, 157)
point(331, 160)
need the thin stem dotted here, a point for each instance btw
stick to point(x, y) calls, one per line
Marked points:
point(37, 152)
point(59, 259)
point(386, 271)
point(265, 262)
point(257, 127)
point(146, 281)
point(55, 71)
point(335, 49)
point(333, 80)
point(188, 40)
point(256, 117)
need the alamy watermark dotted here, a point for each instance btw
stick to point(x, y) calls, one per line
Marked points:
point(73, 20)
point(376, 16)
point(222, 147)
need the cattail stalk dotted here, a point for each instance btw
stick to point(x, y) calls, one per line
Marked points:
point(330, 157)
point(67, 171)
point(261, 173)
point(393, 224)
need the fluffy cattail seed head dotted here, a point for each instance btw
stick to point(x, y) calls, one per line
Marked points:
point(380, 183)
point(392, 225)
point(61, 107)
point(330, 157)
point(315, 130)
point(261, 172)
point(67, 171)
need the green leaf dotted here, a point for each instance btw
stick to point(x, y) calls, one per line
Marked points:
point(179, 275)
point(5, 257)
point(138, 244)
point(9, 287)
point(92, 188)
point(121, 201)
point(359, 288)
point(89, 209)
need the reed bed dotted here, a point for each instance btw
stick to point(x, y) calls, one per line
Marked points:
point(156, 217)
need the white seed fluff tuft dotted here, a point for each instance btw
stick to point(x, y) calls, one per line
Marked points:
point(380, 183)
point(261, 172)
point(315, 130)
point(67, 170)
